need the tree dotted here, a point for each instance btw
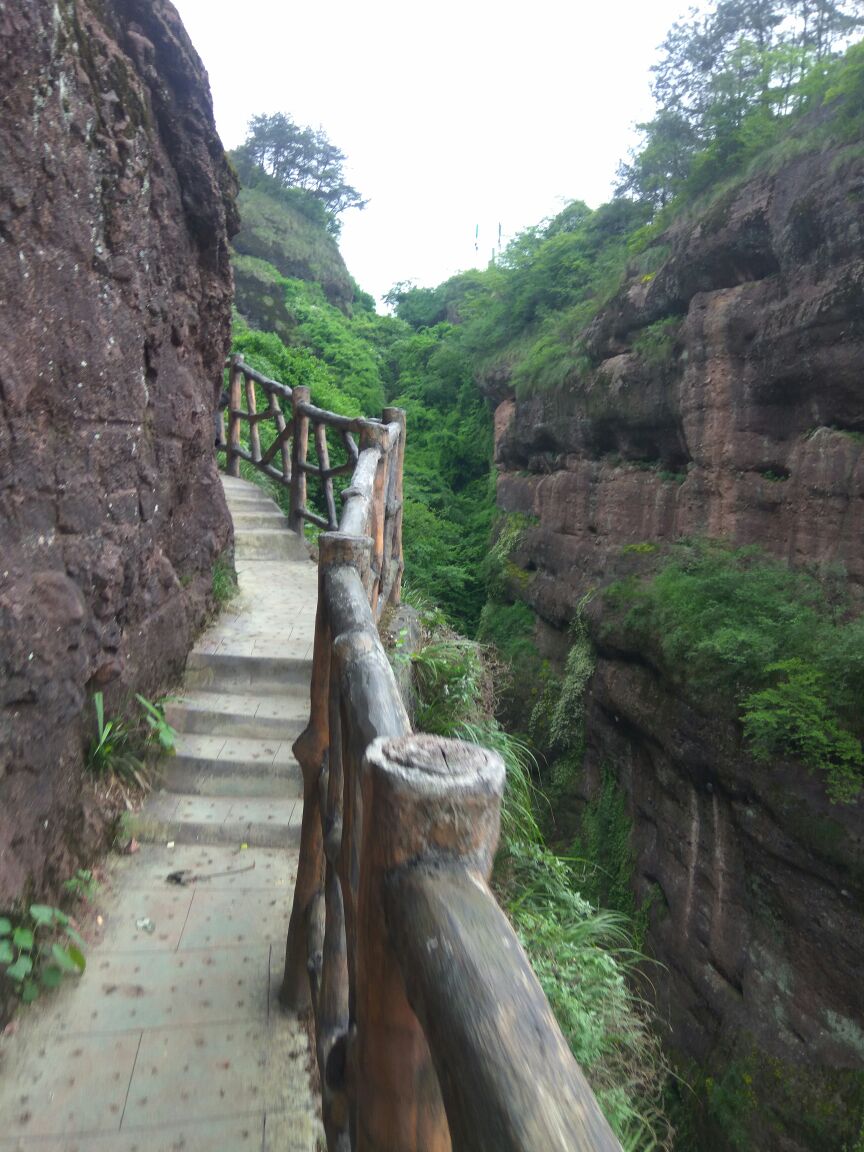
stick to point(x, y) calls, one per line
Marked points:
point(298, 157)
point(726, 79)
point(658, 169)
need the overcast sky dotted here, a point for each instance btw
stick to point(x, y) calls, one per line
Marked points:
point(452, 115)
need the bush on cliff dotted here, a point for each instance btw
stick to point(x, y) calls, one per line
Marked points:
point(777, 643)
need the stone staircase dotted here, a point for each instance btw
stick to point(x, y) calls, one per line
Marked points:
point(245, 697)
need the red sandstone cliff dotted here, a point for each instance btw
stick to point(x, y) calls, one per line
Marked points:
point(115, 208)
point(746, 422)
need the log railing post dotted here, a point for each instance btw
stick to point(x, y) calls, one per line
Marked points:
point(375, 436)
point(235, 383)
point(323, 455)
point(310, 750)
point(423, 798)
point(254, 431)
point(393, 563)
point(299, 450)
point(284, 447)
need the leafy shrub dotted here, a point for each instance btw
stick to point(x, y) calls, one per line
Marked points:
point(224, 583)
point(120, 745)
point(655, 344)
point(792, 717)
point(567, 722)
point(38, 948)
point(157, 729)
point(114, 748)
point(452, 684)
point(606, 860)
point(81, 886)
point(497, 568)
point(510, 627)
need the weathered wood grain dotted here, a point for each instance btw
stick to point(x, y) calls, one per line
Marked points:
point(299, 449)
point(235, 385)
point(508, 1078)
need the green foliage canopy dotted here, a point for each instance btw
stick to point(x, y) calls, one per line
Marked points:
point(729, 80)
point(301, 158)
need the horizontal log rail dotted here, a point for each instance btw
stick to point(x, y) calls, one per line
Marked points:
point(432, 1032)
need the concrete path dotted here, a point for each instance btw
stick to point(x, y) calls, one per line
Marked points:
point(173, 1038)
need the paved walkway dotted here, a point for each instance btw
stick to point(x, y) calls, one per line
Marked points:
point(173, 1038)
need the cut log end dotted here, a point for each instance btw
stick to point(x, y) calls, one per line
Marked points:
point(434, 766)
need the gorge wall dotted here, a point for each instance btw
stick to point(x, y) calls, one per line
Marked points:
point(116, 205)
point(726, 399)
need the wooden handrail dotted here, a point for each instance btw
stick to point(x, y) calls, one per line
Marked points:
point(507, 1076)
point(432, 1033)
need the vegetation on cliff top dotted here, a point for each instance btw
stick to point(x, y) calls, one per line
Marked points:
point(739, 87)
point(300, 160)
point(730, 80)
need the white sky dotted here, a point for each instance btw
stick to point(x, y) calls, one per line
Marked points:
point(451, 114)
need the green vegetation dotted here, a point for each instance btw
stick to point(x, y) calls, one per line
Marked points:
point(38, 947)
point(119, 746)
point(743, 85)
point(355, 364)
point(223, 582)
point(299, 160)
point(776, 643)
point(278, 229)
point(655, 344)
point(581, 954)
point(732, 81)
point(81, 886)
point(605, 851)
point(157, 729)
point(759, 1101)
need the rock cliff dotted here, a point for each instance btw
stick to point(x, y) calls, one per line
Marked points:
point(116, 206)
point(725, 398)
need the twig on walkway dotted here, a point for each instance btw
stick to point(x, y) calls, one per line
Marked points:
point(185, 876)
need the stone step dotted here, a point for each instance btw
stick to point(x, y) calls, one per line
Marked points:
point(238, 767)
point(243, 521)
point(240, 783)
point(184, 819)
point(258, 675)
point(203, 713)
point(268, 544)
point(250, 501)
point(213, 753)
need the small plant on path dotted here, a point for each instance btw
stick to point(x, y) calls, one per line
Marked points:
point(38, 948)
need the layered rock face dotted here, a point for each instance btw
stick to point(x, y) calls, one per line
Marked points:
point(115, 288)
point(727, 401)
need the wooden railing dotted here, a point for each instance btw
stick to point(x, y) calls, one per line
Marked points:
point(290, 441)
point(432, 1031)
